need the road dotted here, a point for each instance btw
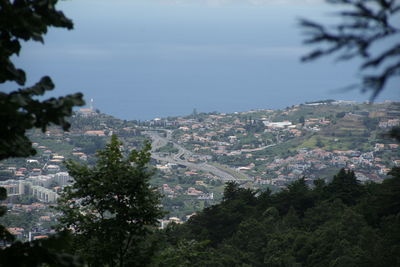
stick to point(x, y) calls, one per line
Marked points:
point(183, 155)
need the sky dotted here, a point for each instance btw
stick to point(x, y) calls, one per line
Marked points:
point(142, 59)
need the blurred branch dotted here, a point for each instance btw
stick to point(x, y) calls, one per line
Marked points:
point(364, 24)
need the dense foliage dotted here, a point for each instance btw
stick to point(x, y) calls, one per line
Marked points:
point(342, 223)
point(21, 110)
point(24, 109)
point(111, 207)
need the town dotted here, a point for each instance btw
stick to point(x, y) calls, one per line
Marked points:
point(195, 155)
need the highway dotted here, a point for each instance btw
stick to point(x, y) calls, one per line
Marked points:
point(183, 155)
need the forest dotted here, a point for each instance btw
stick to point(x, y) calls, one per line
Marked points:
point(341, 223)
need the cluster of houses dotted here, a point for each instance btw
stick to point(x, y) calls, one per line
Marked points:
point(41, 178)
point(221, 134)
point(389, 123)
point(212, 135)
point(176, 190)
point(176, 220)
point(366, 165)
point(36, 232)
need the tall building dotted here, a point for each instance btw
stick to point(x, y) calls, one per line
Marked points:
point(62, 178)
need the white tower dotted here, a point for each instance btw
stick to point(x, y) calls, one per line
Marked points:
point(91, 103)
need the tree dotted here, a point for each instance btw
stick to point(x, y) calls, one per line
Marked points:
point(5, 236)
point(302, 120)
point(111, 206)
point(296, 195)
point(319, 143)
point(345, 187)
point(20, 110)
point(364, 26)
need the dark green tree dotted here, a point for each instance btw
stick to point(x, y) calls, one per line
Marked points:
point(345, 187)
point(21, 110)
point(302, 120)
point(111, 206)
point(218, 222)
point(327, 225)
point(5, 236)
point(186, 253)
point(388, 196)
point(319, 143)
point(340, 115)
point(395, 133)
point(297, 195)
point(231, 191)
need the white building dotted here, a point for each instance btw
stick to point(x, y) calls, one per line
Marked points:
point(62, 178)
point(41, 180)
point(44, 194)
point(13, 187)
point(279, 124)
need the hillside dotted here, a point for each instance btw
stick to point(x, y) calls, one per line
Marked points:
point(194, 156)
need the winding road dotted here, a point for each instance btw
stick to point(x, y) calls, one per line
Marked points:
point(183, 155)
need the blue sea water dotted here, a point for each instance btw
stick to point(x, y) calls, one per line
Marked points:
point(141, 61)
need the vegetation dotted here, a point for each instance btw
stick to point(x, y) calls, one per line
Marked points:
point(21, 110)
point(168, 148)
point(89, 144)
point(4, 234)
point(342, 223)
point(25, 220)
point(111, 207)
point(235, 174)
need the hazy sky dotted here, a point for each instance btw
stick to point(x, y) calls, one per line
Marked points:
point(141, 59)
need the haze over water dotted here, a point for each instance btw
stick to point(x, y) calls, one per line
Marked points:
point(147, 59)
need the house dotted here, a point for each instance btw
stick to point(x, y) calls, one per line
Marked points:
point(191, 191)
point(200, 182)
point(279, 125)
point(36, 172)
point(86, 112)
point(32, 161)
point(95, 133)
point(17, 232)
point(40, 237)
point(167, 189)
point(53, 168)
point(393, 146)
point(379, 147)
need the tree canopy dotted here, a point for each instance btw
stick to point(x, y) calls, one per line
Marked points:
point(21, 110)
point(341, 223)
point(111, 206)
